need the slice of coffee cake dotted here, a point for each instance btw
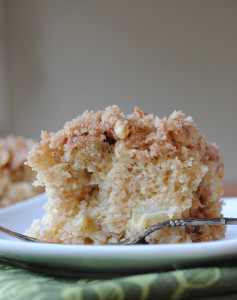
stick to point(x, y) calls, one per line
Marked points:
point(108, 176)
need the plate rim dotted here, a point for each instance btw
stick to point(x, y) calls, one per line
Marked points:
point(158, 255)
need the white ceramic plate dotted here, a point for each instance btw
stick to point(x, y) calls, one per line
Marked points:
point(101, 260)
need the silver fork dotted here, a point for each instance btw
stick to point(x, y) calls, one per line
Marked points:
point(138, 237)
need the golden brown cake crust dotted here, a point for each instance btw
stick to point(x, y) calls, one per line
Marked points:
point(137, 163)
point(15, 177)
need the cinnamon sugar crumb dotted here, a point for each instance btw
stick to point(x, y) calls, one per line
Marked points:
point(121, 129)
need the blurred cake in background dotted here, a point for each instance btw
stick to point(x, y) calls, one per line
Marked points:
point(15, 177)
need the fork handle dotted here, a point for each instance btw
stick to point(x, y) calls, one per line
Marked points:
point(177, 223)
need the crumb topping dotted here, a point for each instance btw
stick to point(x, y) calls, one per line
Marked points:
point(139, 131)
point(13, 152)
